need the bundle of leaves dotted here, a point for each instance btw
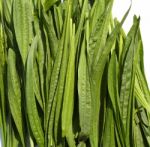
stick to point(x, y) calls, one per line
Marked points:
point(70, 76)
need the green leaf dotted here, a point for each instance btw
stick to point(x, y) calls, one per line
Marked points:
point(2, 47)
point(32, 111)
point(49, 27)
point(62, 46)
point(84, 92)
point(58, 19)
point(37, 85)
point(141, 97)
point(113, 82)
point(81, 22)
point(114, 95)
point(7, 8)
point(3, 81)
point(54, 80)
point(68, 99)
point(98, 35)
point(138, 135)
point(22, 25)
point(127, 85)
point(60, 88)
point(96, 76)
point(14, 93)
point(109, 129)
point(40, 65)
point(96, 13)
point(48, 4)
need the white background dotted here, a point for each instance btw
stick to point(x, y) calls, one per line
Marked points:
point(140, 8)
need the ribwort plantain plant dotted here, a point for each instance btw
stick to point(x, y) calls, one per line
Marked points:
point(70, 76)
